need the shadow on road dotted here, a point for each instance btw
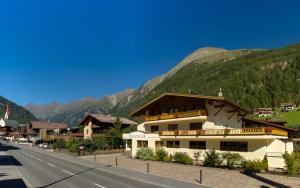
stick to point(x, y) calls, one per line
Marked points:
point(4, 147)
point(3, 174)
point(12, 183)
point(8, 160)
point(73, 175)
point(265, 180)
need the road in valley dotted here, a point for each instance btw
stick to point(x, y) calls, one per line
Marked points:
point(47, 169)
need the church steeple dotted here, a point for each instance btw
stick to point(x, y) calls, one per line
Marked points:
point(7, 112)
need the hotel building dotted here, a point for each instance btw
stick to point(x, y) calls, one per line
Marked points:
point(193, 123)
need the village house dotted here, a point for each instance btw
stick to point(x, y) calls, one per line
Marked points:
point(9, 129)
point(46, 131)
point(285, 107)
point(194, 123)
point(95, 124)
point(264, 112)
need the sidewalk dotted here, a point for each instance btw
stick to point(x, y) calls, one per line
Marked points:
point(10, 176)
point(212, 177)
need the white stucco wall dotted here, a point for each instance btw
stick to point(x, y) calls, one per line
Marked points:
point(222, 119)
point(257, 148)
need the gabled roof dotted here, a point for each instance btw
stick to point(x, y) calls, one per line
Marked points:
point(11, 123)
point(109, 119)
point(48, 125)
point(212, 98)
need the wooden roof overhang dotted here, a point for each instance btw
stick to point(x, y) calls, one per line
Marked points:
point(269, 124)
point(176, 98)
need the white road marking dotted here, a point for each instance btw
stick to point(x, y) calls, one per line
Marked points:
point(99, 185)
point(39, 159)
point(51, 164)
point(68, 172)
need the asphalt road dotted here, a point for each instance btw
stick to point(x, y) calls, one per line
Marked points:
point(41, 169)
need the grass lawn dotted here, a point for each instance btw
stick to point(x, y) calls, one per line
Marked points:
point(292, 117)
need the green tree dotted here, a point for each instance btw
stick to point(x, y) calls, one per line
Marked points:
point(114, 135)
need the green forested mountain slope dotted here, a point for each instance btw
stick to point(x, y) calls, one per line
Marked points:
point(16, 112)
point(262, 78)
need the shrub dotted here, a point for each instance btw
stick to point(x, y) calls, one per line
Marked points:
point(89, 145)
point(144, 153)
point(253, 165)
point(161, 153)
point(232, 159)
point(291, 162)
point(168, 159)
point(265, 163)
point(59, 144)
point(73, 148)
point(100, 141)
point(212, 158)
point(72, 145)
point(184, 158)
point(155, 158)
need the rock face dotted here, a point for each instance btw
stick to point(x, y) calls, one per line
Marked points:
point(43, 111)
point(73, 112)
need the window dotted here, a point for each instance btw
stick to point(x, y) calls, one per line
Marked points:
point(173, 127)
point(195, 126)
point(197, 145)
point(173, 144)
point(234, 146)
point(142, 144)
point(154, 129)
point(173, 110)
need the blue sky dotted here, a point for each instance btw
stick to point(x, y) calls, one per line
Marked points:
point(65, 50)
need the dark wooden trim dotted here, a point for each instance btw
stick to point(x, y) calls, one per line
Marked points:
point(219, 111)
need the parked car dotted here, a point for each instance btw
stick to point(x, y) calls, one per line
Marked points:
point(45, 146)
point(23, 142)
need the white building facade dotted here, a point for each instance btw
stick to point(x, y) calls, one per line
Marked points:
point(194, 124)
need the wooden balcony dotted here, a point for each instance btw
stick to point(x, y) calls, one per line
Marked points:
point(225, 132)
point(176, 115)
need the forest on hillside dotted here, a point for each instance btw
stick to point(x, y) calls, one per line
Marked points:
point(263, 78)
point(17, 112)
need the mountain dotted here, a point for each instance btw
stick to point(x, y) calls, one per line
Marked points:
point(206, 55)
point(201, 55)
point(251, 78)
point(17, 112)
point(43, 111)
point(73, 112)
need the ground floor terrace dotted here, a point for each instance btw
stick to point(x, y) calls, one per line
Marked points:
point(249, 146)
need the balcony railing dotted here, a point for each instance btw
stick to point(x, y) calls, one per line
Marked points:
point(177, 115)
point(225, 132)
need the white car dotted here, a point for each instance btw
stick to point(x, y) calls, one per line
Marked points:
point(23, 143)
